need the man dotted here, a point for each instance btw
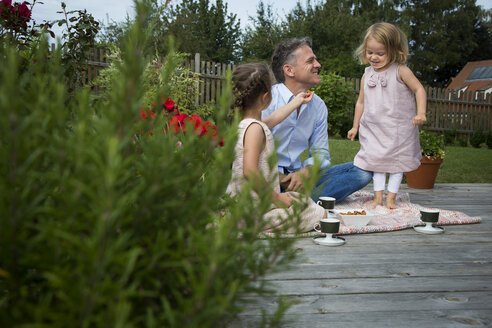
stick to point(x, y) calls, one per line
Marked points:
point(296, 69)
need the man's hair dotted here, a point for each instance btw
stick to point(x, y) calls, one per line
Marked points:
point(285, 53)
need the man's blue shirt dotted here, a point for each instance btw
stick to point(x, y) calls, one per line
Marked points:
point(295, 133)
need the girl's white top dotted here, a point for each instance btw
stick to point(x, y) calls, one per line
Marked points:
point(270, 173)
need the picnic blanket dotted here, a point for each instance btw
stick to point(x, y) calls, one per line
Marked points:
point(407, 215)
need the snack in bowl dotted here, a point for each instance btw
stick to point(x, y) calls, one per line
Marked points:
point(363, 212)
point(354, 217)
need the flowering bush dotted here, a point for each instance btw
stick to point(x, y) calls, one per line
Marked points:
point(14, 19)
point(432, 145)
point(177, 122)
point(101, 227)
point(14, 16)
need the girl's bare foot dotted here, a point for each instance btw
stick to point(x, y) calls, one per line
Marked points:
point(378, 199)
point(391, 200)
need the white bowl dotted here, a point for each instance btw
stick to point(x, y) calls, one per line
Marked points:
point(354, 220)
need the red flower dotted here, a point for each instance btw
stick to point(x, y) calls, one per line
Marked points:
point(24, 12)
point(205, 128)
point(152, 115)
point(6, 3)
point(178, 122)
point(143, 114)
point(168, 105)
point(221, 142)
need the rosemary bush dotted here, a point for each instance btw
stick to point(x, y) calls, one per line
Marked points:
point(104, 227)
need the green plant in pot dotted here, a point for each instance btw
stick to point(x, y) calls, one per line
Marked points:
point(433, 153)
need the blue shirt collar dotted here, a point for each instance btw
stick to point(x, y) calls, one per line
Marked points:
point(285, 93)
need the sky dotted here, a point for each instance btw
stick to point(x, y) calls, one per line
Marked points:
point(117, 10)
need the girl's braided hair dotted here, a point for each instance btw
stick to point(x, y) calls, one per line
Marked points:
point(250, 82)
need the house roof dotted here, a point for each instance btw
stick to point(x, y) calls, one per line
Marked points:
point(475, 75)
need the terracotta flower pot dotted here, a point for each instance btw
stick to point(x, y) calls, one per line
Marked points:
point(425, 176)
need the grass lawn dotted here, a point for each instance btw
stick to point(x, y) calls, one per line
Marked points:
point(461, 165)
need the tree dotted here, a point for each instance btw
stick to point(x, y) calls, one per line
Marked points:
point(443, 37)
point(335, 32)
point(200, 27)
point(259, 40)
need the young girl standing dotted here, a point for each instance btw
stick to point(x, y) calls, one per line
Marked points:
point(252, 93)
point(390, 107)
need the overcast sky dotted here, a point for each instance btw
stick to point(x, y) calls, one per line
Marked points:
point(117, 10)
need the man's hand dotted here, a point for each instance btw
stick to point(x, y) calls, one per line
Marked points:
point(293, 181)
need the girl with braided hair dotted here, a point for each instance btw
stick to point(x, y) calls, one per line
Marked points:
point(255, 145)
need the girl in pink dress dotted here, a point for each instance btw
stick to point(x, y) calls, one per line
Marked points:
point(255, 145)
point(390, 107)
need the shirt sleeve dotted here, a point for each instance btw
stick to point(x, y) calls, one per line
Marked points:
point(318, 142)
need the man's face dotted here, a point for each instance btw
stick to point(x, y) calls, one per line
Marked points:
point(306, 68)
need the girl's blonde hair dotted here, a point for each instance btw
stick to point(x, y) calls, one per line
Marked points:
point(393, 39)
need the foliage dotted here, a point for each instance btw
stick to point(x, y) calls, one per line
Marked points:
point(477, 138)
point(79, 37)
point(183, 85)
point(103, 226)
point(488, 140)
point(325, 22)
point(259, 40)
point(443, 37)
point(17, 25)
point(113, 33)
point(339, 97)
point(432, 145)
point(463, 142)
point(450, 136)
point(200, 26)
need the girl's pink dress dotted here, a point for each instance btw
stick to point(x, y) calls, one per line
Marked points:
point(388, 140)
point(311, 215)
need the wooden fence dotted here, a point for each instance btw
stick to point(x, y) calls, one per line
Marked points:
point(212, 78)
point(446, 110)
point(97, 60)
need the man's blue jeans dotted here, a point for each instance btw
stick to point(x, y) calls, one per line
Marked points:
point(341, 180)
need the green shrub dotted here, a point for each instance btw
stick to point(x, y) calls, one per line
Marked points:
point(183, 84)
point(432, 145)
point(477, 138)
point(488, 139)
point(102, 226)
point(339, 97)
point(463, 142)
point(450, 137)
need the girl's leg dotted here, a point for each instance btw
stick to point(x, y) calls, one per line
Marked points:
point(394, 182)
point(379, 180)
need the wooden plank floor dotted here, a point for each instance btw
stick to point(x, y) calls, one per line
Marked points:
point(395, 279)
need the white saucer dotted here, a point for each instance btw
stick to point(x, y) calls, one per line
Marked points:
point(333, 241)
point(429, 229)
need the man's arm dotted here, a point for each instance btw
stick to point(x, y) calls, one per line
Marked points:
point(318, 146)
point(318, 142)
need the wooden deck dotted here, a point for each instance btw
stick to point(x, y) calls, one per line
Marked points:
point(396, 279)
